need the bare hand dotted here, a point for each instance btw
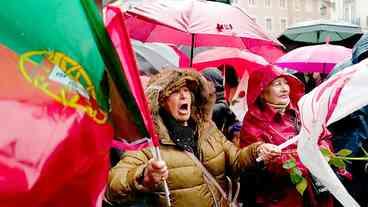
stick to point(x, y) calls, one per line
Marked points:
point(268, 152)
point(155, 172)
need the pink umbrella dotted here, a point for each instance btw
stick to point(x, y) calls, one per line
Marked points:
point(268, 52)
point(316, 58)
point(241, 60)
point(196, 23)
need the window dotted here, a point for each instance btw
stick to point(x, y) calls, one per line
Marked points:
point(252, 2)
point(323, 10)
point(297, 4)
point(346, 14)
point(283, 4)
point(267, 3)
point(268, 24)
point(283, 24)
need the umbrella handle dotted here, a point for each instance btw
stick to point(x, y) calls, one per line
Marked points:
point(192, 51)
point(166, 186)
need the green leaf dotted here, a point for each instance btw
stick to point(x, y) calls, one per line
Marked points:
point(296, 171)
point(295, 178)
point(301, 186)
point(289, 164)
point(337, 162)
point(325, 152)
point(344, 152)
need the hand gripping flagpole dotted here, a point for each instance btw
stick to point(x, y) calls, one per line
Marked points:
point(166, 186)
point(156, 144)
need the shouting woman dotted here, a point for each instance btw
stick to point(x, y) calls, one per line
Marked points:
point(181, 104)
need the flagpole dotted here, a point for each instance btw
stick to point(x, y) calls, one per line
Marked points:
point(166, 187)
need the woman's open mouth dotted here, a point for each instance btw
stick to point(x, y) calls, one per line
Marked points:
point(184, 108)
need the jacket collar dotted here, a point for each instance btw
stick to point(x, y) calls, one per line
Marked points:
point(270, 114)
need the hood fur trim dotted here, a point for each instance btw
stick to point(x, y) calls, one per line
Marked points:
point(167, 81)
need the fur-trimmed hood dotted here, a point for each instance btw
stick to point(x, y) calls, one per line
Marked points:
point(169, 80)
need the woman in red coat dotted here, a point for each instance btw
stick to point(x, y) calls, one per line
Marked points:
point(273, 117)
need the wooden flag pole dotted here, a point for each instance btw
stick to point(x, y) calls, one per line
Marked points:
point(166, 187)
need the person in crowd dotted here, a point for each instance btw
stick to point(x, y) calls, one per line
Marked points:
point(351, 133)
point(234, 133)
point(222, 114)
point(273, 117)
point(310, 79)
point(181, 102)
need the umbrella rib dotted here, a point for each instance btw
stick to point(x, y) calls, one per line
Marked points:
point(318, 35)
point(297, 35)
point(339, 36)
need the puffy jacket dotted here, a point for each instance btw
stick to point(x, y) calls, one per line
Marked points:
point(186, 182)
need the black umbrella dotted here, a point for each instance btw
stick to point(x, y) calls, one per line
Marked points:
point(318, 31)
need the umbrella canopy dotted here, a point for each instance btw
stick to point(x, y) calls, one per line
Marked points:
point(154, 56)
point(360, 52)
point(241, 60)
point(195, 23)
point(317, 31)
point(317, 58)
point(268, 52)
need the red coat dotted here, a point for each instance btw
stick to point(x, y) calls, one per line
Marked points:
point(269, 126)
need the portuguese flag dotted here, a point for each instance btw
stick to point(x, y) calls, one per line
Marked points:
point(59, 109)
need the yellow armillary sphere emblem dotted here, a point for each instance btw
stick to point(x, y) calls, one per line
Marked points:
point(59, 77)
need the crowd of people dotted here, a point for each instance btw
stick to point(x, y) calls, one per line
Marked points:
point(205, 149)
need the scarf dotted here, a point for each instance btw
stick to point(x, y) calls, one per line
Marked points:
point(279, 107)
point(184, 137)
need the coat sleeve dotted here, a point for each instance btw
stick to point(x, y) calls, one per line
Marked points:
point(123, 178)
point(238, 159)
point(251, 135)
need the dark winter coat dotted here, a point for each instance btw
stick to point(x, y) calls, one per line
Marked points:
point(222, 114)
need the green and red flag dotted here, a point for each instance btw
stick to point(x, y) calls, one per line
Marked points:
point(54, 103)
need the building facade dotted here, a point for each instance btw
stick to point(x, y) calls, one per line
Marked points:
point(276, 15)
point(351, 11)
point(355, 12)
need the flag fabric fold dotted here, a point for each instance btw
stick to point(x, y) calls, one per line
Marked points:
point(329, 102)
point(114, 21)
